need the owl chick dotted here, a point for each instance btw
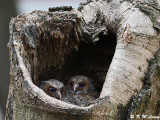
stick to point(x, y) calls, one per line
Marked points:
point(80, 100)
point(54, 88)
point(81, 85)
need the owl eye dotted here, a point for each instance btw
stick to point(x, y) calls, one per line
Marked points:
point(52, 89)
point(81, 84)
point(71, 84)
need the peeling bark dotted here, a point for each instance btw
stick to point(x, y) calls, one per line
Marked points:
point(106, 40)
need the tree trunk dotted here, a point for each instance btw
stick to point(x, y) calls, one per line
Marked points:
point(110, 41)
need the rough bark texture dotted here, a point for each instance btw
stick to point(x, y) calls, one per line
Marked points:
point(147, 102)
point(102, 38)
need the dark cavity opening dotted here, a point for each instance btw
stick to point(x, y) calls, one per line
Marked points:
point(92, 60)
point(58, 51)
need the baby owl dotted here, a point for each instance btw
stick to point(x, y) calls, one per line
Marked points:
point(53, 88)
point(80, 90)
point(80, 85)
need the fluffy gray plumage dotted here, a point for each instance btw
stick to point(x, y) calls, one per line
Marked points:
point(54, 88)
point(80, 90)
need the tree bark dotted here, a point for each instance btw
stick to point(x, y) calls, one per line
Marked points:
point(106, 40)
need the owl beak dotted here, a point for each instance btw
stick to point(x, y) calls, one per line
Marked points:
point(59, 95)
point(75, 88)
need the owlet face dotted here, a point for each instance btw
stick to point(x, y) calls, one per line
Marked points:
point(79, 84)
point(53, 88)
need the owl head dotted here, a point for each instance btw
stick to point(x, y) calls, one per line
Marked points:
point(53, 88)
point(80, 84)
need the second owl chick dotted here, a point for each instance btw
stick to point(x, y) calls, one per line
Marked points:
point(81, 85)
point(54, 88)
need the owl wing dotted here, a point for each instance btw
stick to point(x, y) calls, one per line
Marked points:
point(69, 100)
point(80, 100)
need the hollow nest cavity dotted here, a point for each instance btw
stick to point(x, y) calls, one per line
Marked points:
point(56, 49)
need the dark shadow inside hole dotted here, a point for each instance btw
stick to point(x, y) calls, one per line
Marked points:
point(92, 60)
